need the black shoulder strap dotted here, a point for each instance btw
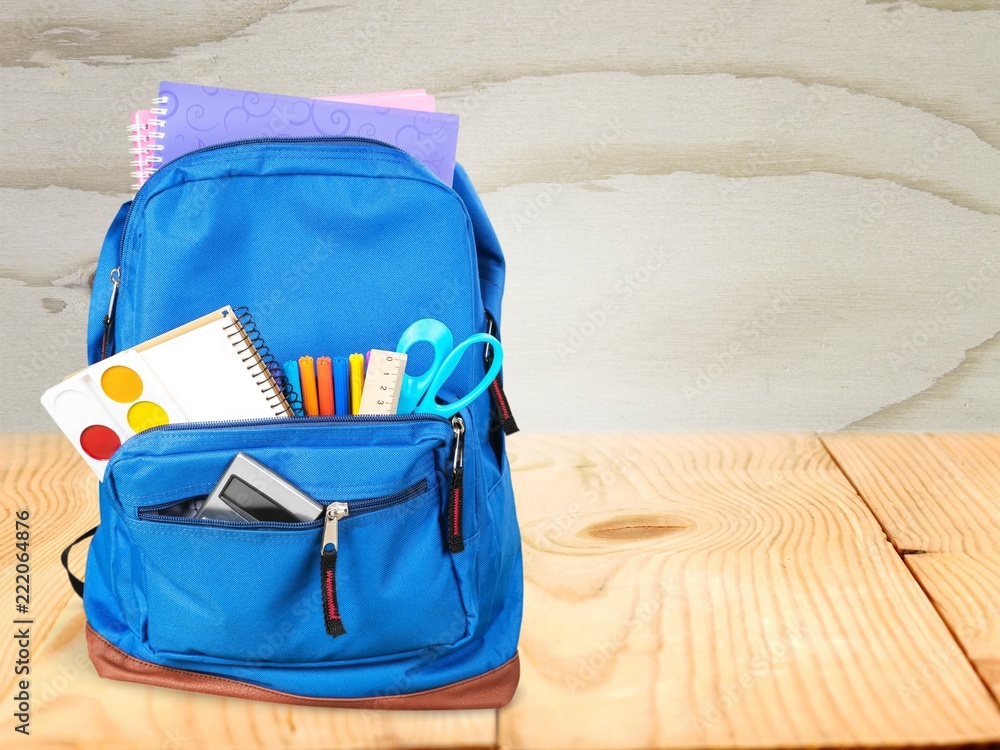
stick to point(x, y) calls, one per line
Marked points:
point(75, 582)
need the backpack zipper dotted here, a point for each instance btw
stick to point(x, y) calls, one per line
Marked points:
point(454, 508)
point(289, 421)
point(328, 569)
point(453, 511)
point(332, 515)
point(358, 508)
point(116, 274)
point(497, 397)
point(250, 142)
point(336, 511)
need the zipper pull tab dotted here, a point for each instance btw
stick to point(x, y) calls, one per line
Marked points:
point(502, 406)
point(110, 317)
point(334, 512)
point(497, 397)
point(328, 568)
point(453, 511)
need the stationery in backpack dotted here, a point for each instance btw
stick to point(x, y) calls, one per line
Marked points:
point(197, 116)
point(415, 99)
point(145, 134)
point(144, 138)
point(210, 369)
point(408, 592)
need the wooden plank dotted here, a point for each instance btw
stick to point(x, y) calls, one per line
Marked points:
point(73, 707)
point(978, 456)
point(720, 591)
point(920, 491)
point(937, 497)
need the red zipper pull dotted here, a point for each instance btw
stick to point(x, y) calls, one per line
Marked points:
point(502, 407)
point(328, 569)
point(453, 509)
point(497, 397)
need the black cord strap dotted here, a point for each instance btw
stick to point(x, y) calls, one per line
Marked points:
point(75, 582)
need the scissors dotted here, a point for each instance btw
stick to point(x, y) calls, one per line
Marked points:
point(418, 393)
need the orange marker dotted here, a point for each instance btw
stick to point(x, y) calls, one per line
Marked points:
point(307, 379)
point(324, 383)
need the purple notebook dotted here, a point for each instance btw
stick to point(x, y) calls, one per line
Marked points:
point(197, 116)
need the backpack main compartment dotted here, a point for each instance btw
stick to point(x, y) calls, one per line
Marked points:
point(335, 246)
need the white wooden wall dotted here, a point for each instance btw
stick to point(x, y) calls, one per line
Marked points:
point(717, 215)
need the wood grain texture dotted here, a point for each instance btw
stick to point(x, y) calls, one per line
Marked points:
point(819, 180)
point(937, 498)
point(74, 708)
point(720, 591)
point(962, 399)
point(681, 591)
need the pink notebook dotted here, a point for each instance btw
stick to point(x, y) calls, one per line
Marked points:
point(415, 99)
point(145, 136)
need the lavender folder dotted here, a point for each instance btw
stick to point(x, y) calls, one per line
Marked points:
point(198, 116)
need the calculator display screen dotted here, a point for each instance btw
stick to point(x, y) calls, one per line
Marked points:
point(254, 502)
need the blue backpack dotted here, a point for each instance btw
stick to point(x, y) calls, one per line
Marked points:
point(334, 245)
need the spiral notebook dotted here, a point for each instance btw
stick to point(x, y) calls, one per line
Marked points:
point(145, 133)
point(215, 368)
point(192, 117)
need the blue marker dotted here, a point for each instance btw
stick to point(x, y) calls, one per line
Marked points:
point(342, 385)
point(291, 368)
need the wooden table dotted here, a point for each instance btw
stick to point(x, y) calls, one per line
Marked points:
point(682, 591)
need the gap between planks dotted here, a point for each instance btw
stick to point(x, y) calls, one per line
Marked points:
point(689, 509)
point(905, 554)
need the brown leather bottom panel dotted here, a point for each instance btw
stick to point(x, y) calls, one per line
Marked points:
point(493, 689)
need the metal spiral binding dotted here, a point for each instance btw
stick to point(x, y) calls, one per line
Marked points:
point(137, 136)
point(140, 174)
point(260, 362)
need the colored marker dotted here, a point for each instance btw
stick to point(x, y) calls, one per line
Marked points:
point(291, 368)
point(342, 385)
point(324, 384)
point(307, 377)
point(357, 380)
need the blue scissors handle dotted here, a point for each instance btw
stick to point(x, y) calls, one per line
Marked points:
point(438, 335)
point(418, 393)
point(429, 405)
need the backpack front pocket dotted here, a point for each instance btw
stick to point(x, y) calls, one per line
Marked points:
point(263, 592)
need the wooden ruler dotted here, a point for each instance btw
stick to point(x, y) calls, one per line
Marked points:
point(383, 379)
